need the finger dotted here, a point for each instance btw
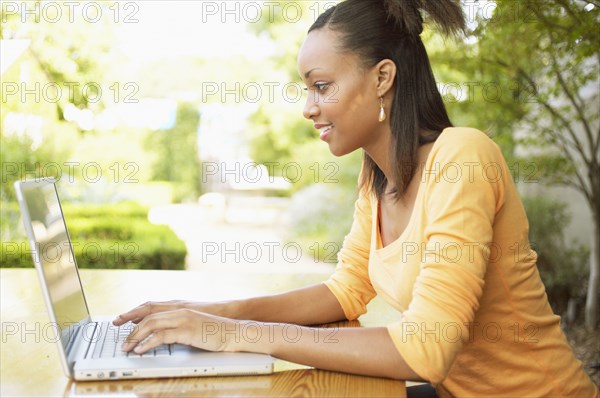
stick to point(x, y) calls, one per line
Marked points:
point(167, 336)
point(120, 321)
point(137, 314)
point(151, 324)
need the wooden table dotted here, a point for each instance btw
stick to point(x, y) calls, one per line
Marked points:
point(29, 363)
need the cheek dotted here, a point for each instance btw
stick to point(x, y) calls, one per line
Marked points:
point(360, 102)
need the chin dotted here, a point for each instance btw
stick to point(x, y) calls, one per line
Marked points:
point(339, 151)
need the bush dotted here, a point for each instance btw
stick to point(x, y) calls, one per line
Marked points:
point(122, 209)
point(108, 236)
point(563, 266)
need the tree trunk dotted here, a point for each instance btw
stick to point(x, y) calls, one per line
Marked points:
point(571, 311)
point(591, 303)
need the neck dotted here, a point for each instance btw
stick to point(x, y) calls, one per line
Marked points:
point(380, 153)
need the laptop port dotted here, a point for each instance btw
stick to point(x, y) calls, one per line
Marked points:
point(127, 374)
point(112, 375)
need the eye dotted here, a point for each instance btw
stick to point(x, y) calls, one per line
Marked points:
point(320, 86)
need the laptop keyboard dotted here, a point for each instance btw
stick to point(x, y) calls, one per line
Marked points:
point(110, 338)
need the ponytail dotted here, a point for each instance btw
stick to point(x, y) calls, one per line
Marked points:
point(447, 15)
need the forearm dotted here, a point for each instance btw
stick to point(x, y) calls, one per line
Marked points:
point(364, 351)
point(306, 306)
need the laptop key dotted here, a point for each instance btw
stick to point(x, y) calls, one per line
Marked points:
point(162, 351)
point(120, 353)
point(180, 348)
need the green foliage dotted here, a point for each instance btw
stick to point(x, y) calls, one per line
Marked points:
point(21, 158)
point(320, 226)
point(105, 236)
point(548, 77)
point(64, 65)
point(318, 165)
point(563, 265)
point(177, 154)
point(120, 210)
point(10, 222)
point(270, 142)
point(64, 51)
point(288, 30)
point(474, 95)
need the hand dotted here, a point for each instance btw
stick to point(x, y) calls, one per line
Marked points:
point(140, 312)
point(182, 326)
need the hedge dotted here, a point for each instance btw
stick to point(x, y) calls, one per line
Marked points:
point(106, 236)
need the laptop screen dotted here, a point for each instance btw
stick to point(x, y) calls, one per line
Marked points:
point(53, 251)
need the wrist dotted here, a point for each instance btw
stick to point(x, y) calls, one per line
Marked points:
point(224, 309)
point(254, 336)
point(232, 309)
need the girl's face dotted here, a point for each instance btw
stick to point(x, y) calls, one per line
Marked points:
point(342, 96)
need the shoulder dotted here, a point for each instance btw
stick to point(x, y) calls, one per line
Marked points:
point(465, 168)
point(465, 137)
point(465, 143)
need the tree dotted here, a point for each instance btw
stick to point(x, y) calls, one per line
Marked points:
point(68, 50)
point(61, 67)
point(177, 153)
point(546, 55)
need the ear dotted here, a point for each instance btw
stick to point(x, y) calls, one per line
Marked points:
point(386, 76)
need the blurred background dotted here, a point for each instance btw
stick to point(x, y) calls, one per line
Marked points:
point(175, 131)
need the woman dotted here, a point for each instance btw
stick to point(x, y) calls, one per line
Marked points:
point(439, 232)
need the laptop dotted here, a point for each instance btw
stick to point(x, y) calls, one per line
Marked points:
point(90, 349)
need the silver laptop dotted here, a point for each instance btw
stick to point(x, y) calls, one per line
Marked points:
point(90, 349)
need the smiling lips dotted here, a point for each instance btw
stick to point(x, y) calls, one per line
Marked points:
point(325, 130)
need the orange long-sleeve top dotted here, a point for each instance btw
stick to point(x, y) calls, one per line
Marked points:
point(474, 315)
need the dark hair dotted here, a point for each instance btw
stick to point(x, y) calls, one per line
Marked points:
point(390, 29)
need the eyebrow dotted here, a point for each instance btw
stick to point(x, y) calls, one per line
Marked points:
point(307, 74)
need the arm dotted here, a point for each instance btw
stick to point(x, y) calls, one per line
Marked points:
point(365, 351)
point(305, 306)
point(457, 239)
point(296, 306)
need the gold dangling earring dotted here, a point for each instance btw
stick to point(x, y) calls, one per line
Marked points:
point(381, 111)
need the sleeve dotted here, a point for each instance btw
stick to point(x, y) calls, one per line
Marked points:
point(463, 192)
point(350, 282)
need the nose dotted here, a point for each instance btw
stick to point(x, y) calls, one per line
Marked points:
point(311, 108)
